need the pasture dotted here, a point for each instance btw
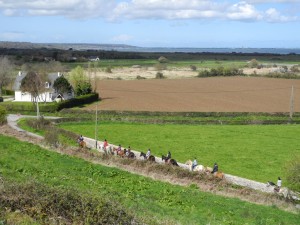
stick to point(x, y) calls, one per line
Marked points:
point(151, 201)
point(255, 152)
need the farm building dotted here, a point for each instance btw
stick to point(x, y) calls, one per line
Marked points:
point(49, 95)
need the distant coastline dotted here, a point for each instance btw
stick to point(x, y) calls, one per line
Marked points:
point(129, 48)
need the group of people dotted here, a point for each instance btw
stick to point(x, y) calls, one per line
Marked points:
point(215, 168)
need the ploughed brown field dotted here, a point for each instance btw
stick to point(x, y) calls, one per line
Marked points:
point(228, 94)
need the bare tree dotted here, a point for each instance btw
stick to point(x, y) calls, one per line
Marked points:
point(6, 70)
point(34, 84)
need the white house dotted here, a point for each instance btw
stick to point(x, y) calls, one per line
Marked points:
point(49, 95)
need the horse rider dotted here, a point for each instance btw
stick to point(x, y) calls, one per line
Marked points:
point(128, 151)
point(148, 153)
point(194, 164)
point(168, 155)
point(215, 169)
point(80, 139)
point(277, 188)
point(119, 148)
point(105, 144)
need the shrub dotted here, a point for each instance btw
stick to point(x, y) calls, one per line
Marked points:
point(138, 77)
point(221, 71)
point(160, 66)
point(3, 114)
point(292, 170)
point(80, 100)
point(159, 75)
point(51, 137)
point(193, 67)
point(253, 63)
point(162, 59)
point(52, 205)
point(39, 124)
point(108, 70)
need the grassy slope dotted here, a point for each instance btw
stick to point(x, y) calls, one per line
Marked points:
point(256, 152)
point(152, 199)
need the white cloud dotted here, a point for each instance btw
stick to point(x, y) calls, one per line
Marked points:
point(67, 8)
point(243, 11)
point(114, 10)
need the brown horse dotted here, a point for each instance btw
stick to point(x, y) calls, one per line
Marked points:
point(169, 161)
point(219, 175)
point(120, 153)
point(82, 144)
point(151, 157)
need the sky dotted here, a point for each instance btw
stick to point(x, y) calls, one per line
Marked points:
point(154, 23)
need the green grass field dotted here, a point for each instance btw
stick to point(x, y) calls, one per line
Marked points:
point(147, 198)
point(257, 152)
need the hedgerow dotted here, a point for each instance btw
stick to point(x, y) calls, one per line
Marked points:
point(62, 205)
point(2, 115)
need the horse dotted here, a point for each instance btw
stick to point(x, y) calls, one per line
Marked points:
point(82, 144)
point(107, 150)
point(151, 158)
point(198, 168)
point(219, 175)
point(169, 161)
point(130, 155)
point(120, 153)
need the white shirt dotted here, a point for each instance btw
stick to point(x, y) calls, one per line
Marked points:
point(279, 183)
point(148, 154)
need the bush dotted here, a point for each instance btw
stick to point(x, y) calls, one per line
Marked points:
point(81, 100)
point(138, 77)
point(221, 71)
point(51, 137)
point(159, 75)
point(162, 59)
point(108, 70)
point(193, 67)
point(292, 170)
point(3, 114)
point(52, 205)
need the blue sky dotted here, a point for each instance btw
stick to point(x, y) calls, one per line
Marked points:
point(154, 23)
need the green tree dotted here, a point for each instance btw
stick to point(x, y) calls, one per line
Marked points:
point(253, 63)
point(62, 85)
point(80, 81)
point(83, 88)
point(6, 70)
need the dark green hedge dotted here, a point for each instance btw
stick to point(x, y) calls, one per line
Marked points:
point(78, 101)
point(2, 115)
point(50, 107)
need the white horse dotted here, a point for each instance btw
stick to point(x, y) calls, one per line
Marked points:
point(107, 150)
point(198, 168)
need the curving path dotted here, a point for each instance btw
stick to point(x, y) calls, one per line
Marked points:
point(12, 121)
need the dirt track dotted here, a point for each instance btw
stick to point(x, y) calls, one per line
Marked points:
point(231, 94)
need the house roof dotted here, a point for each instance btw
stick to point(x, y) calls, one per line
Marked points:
point(51, 78)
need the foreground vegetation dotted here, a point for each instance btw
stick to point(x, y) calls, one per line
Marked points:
point(141, 199)
point(255, 152)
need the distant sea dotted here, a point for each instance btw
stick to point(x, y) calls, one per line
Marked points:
point(211, 50)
